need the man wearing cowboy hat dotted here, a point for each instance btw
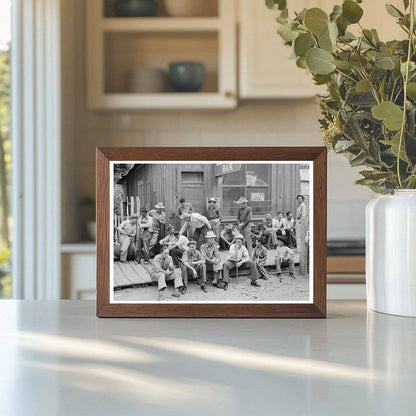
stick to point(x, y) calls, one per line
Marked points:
point(212, 258)
point(244, 219)
point(193, 265)
point(158, 222)
point(127, 234)
point(198, 223)
point(144, 223)
point(239, 258)
point(214, 217)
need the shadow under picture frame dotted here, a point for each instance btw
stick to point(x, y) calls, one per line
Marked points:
point(261, 176)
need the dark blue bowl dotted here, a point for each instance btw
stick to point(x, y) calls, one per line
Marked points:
point(186, 76)
point(136, 8)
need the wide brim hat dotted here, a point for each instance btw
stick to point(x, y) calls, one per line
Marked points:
point(212, 200)
point(159, 205)
point(210, 234)
point(239, 237)
point(242, 200)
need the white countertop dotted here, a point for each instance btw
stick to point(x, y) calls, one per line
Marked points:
point(58, 359)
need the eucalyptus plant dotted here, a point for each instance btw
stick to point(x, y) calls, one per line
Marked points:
point(369, 112)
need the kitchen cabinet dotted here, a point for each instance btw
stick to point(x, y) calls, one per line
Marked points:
point(265, 70)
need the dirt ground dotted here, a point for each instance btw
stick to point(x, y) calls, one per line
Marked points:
point(290, 289)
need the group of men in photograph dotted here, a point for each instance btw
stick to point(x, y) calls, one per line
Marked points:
point(194, 249)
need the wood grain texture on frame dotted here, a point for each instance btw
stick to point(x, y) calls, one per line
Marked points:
point(317, 309)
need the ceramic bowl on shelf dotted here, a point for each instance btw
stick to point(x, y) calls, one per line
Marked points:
point(147, 80)
point(135, 8)
point(191, 8)
point(186, 76)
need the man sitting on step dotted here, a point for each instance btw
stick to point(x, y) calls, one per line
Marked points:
point(193, 265)
point(163, 270)
point(239, 259)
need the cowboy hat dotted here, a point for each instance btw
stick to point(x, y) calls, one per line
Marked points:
point(159, 205)
point(241, 200)
point(210, 234)
point(239, 237)
point(212, 200)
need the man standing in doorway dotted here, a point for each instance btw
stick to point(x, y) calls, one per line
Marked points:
point(244, 219)
point(214, 217)
point(127, 234)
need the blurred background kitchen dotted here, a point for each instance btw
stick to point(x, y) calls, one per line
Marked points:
point(148, 73)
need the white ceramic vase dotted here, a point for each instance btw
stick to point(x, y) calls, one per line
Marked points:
point(391, 253)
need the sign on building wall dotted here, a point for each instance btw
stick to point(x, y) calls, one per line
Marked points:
point(224, 168)
point(258, 196)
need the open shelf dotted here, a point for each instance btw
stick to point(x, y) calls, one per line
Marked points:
point(127, 51)
point(160, 24)
point(211, 9)
point(116, 46)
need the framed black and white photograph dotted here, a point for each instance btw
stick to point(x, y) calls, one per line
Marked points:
point(190, 235)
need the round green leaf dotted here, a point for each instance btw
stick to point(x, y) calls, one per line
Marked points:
point(351, 11)
point(363, 86)
point(316, 20)
point(411, 90)
point(319, 61)
point(303, 43)
point(391, 114)
point(286, 32)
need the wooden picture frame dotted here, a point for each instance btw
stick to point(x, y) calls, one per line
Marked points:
point(315, 308)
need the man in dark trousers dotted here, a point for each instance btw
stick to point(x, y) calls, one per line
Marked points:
point(243, 220)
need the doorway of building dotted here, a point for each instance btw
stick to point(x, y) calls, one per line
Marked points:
point(192, 189)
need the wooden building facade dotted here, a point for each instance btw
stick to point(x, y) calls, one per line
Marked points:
point(268, 187)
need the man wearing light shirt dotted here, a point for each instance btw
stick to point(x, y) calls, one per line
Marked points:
point(239, 258)
point(198, 223)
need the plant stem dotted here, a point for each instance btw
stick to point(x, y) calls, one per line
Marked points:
point(406, 80)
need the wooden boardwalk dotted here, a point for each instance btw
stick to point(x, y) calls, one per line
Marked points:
point(131, 275)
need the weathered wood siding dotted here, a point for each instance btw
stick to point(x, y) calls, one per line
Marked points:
point(162, 183)
point(285, 186)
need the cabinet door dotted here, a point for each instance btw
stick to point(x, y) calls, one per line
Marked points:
point(265, 68)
